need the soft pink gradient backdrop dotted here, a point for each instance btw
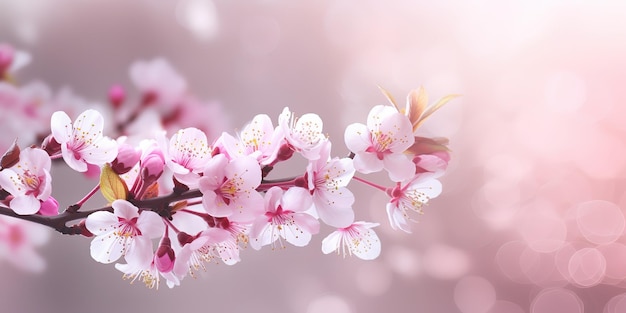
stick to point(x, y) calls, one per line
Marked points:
point(531, 218)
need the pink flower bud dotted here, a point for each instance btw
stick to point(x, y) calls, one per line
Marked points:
point(126, 158)
point(6, 57)
point(49, 207)
point(117, 95)
point(165, 257)
point(151, 167)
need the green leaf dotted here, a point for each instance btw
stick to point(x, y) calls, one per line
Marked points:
point(111, 185)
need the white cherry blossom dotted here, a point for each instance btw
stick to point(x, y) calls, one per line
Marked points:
point(381, 143)
point(187, 154)
point(82, 143)
point(358, 239)
point(327, 181)
point(125, 232)
point(304, 134)
point(410, 196)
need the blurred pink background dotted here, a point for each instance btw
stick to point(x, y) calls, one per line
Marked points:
point(531, 218)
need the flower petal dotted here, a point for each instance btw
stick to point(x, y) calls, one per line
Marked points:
point(331, 242)
point(399, 167)
point(150, 224)
point(125, 209)
point(61, 126)
point(357, 137)
point(101, 222)
point(25, 204)
point(103, 150)
point(78, 165)
point(107, 248)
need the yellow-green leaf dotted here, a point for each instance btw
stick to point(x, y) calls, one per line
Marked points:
point(430, 110)
point(111, 185)
point(389, 97)
point(417, 100)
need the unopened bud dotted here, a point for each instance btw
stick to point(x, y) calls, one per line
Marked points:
point(165, 256)
point(7, 54)
point(49, 207)
point(152, 167)
point(117, 95)
point(126, 158)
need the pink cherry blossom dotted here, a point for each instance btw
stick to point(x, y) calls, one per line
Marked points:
point(327, 181)
point(285, 218)
point(409, 196)
point(11, 59)
point(229, 188)
point(228, 250)
point(381, 143)
point(208, 116)
point(258, 139)
point(149, 273)
point(358, 239)
point(125, 232)
point(82, 143)
point(158, 80)
point(198, 250)
point(304, 134)
point(435, 163)
point(29, 181)
point(22, 114)
point(187, 154)
point(18, 241)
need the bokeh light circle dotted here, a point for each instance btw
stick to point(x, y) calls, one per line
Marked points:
point(445, 262)
point(615, 256)
point(508, 259)
point(543, 232)
point(474, 294)
point(403, 261)
point(617, 304)
point(502, 306)
point(329, 303)
point(599, 221)
point(556, 300)
point(540, 268)
point(199, 17)
point(373, 278)
point(587, 267)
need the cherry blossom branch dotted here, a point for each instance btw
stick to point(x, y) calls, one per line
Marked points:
point(57, 222)
point(220, 201)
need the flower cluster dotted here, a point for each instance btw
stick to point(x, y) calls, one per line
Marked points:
point(179, 198)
